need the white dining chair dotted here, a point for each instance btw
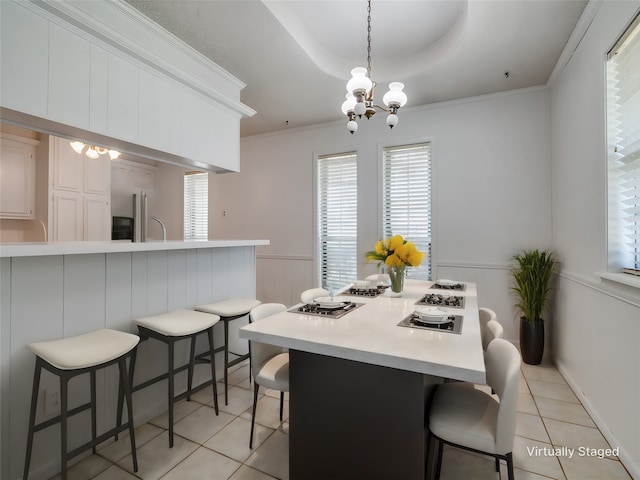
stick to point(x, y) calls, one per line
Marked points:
point(269, 364)
point(311, 294)
point(492, 330)
point(474, 420)
point(485, 315)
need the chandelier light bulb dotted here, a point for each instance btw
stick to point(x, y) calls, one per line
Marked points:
point(352, 126)
point(395, 96)
point(92, 152)
point(360, 108)
point(392, 120)
point(349, 104)
point(359, 82)
point(77, 146)
point(113, 154)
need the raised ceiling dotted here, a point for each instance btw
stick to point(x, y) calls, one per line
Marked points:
point(296, 56)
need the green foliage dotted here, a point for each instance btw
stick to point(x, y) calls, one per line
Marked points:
point(532, 274)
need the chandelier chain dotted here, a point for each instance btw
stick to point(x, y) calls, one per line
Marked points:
point(369, 39)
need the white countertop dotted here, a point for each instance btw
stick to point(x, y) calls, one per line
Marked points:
point(79, 248)
point(371, 334)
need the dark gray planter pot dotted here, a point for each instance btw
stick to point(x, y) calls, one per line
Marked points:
point(531, 341)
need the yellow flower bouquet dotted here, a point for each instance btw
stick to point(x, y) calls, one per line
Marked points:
point(397, 254)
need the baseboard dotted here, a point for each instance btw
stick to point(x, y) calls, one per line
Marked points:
point(627, 460)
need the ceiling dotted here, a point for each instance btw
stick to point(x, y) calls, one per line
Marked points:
point(295, 56)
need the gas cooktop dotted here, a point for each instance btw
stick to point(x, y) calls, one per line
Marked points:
point(452, 324)
point(364, 292)
point(448, 285)
point(335, 310)
point(441, 300)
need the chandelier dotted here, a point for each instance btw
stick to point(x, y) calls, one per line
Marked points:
point(359, 97)
point(93, 151)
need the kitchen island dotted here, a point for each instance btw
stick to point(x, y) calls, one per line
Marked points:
point(56, 290)
point(360, 384)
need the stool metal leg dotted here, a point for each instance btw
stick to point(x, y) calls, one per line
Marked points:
point(171, 391)
point(32, 416)
point(192, 355)
point(213, 369)
point(126, 387)
point(64, 404)
point(226, 362)
point(92, 376)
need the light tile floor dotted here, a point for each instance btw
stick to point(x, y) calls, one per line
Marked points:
point(210, 447)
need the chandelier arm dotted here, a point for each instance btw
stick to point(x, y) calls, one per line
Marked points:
point(381, 108)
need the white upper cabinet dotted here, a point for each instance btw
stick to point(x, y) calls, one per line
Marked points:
point(104, 68)
point(24, 53)
point(98, 113)
point(17, 177)
point(69, 77)
point(122, 99)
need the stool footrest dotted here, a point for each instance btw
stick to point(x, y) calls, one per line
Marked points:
point(235, 361)
point(56, 419)
point(99, 439)
point(193, 390)
point(162, 376)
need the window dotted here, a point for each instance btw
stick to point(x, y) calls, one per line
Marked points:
point(406, 199)
point(196, 206)
point(623, 130)
point(337, 201)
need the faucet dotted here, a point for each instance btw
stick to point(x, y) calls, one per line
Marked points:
point(164, 228)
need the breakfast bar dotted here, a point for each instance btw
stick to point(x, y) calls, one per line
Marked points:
point(360, 384)
point(58, 290)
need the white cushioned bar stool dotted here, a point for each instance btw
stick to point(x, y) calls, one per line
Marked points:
point(228, 310)
point(169, 328)
point(73, 356)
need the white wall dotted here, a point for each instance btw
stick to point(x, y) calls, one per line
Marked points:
point(597, 325)
point(491, 192)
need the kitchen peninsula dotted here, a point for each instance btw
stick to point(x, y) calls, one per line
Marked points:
point(56, 290)
point(360, 383)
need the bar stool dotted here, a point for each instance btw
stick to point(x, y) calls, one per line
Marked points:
point(170, 328)
point(73, 356)
point(228, 310)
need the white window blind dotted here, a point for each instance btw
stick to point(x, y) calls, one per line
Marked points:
point(407, 199)
point(337, 202)
point(623, 129)
point(196, 206)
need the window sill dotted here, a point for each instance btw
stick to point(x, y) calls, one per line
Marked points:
point(624, 278)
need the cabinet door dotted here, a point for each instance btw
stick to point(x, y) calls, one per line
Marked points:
point(24, 59)
point(97, 218)
point(67, 217)
point(97, 175)
point(17, 180)
point(66, 172)
point(69, 74)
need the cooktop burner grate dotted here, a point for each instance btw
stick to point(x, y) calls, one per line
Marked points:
point(454, 325)
point(449, 286)
point(364, 292)
point(441, 300)
point(333, 311)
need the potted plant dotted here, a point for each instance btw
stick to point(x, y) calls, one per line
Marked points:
point(532, 274)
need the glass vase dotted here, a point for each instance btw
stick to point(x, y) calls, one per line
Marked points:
point(396, 276)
